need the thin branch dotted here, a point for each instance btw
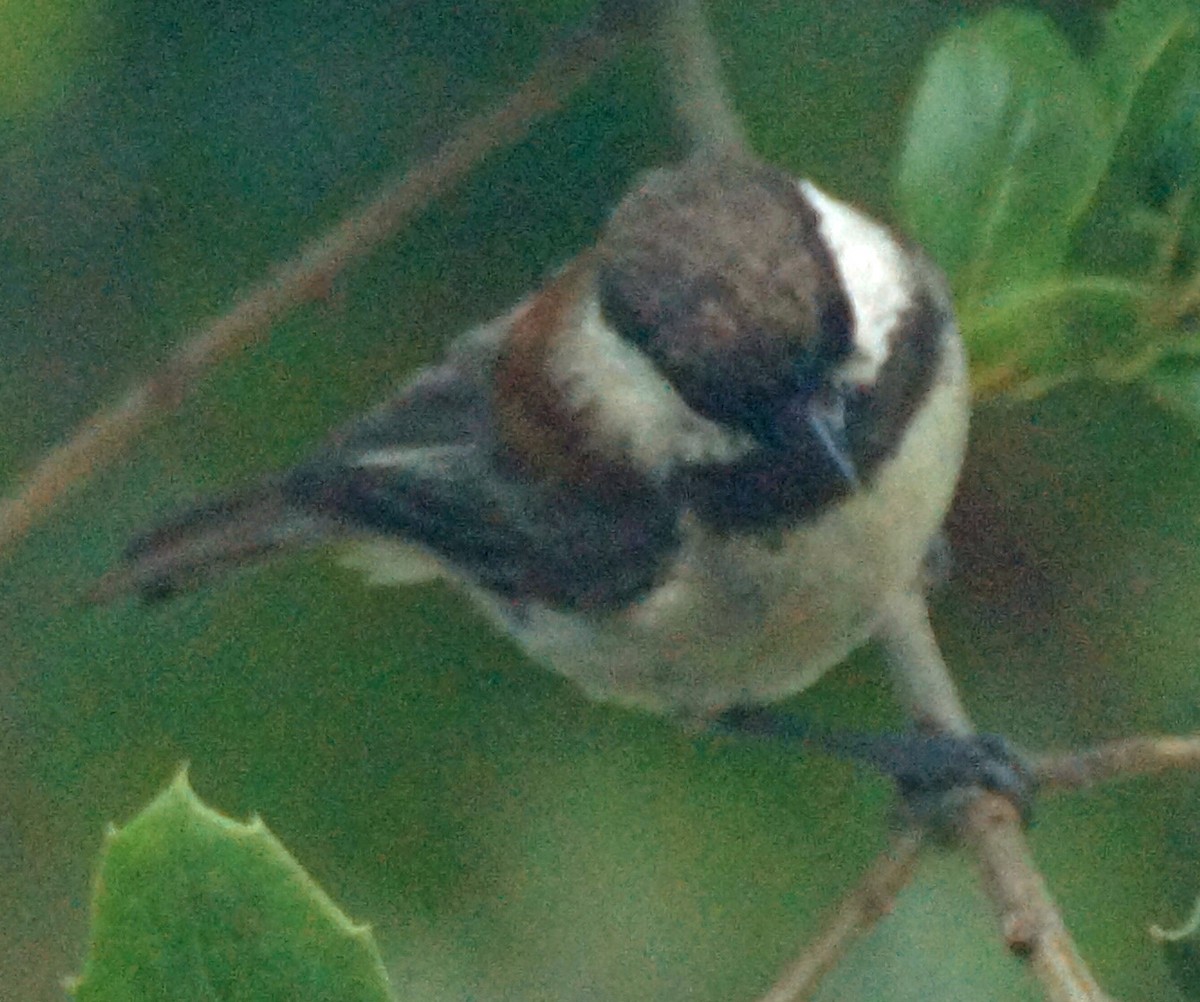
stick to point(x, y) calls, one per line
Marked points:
point(701, 101)
point(870, 900)
point(1032, 926)
point(1030, 922)
point(1124, 759)
point(109, 432)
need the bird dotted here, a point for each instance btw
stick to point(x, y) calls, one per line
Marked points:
point(688, 472)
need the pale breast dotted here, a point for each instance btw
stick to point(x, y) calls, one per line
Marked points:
point(754, 618)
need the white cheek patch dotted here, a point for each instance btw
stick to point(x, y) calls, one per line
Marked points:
point(629, 403)
point(877, 276)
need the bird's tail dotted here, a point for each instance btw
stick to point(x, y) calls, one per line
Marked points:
point(209, 539)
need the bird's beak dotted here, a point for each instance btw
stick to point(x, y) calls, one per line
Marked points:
point(826, 413)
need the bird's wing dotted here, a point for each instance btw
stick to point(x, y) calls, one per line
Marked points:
point(425, 469)
point(469, 507)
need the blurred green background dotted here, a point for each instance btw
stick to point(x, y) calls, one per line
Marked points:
point(506, 839)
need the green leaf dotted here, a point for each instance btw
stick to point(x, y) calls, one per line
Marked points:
point(193, 905)
point(1148, 66)
point(1143, 37)
point(1003, 148)
point(1060, 195)
point(1050, 333)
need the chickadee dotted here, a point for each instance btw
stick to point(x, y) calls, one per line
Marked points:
point(688, 473)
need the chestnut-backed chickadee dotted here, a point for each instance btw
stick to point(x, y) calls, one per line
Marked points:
point(688, 473)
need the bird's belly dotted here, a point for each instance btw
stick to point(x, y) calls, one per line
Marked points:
point(751, 619)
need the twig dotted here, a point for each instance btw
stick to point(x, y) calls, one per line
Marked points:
point(701, 101)
point(866, 903)
point(108, 432)
point(1030, 922)
point(1032, 926)
point(1140, 756)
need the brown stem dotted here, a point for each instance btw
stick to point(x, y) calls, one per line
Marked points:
point(701, 101)
point(1129, 757)
point(1032, 927)
point(109, 432)
point(856, 914)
